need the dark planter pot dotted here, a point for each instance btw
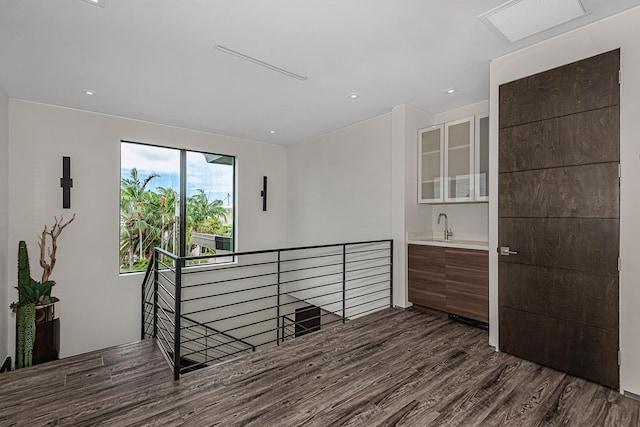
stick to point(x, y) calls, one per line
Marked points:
point(47, 343)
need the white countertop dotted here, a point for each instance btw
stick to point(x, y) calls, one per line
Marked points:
point(461, 241)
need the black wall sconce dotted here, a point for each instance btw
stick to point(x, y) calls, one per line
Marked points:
point(263, 193)
point(66, 182)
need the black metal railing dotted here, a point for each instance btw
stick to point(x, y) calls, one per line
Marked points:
point(202, 314)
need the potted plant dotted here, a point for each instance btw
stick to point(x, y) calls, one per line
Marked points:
point(37, 322)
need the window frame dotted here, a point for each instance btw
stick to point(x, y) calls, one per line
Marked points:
point(182, 243)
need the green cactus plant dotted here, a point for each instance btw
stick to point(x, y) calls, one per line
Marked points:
point(30, 294)
point(26, 335)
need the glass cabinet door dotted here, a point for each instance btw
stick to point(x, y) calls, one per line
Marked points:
point(430, 167)
point(459, 162)
point(482, 158)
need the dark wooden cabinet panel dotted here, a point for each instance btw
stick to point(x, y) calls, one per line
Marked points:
point(577, 244)
point(576, 139)
point(468, 283)
point(426, 277)
point(467, 258)
point(567, 346)
point(577, 87)
point(572, 295)
point(449, 280)
point(588, 191)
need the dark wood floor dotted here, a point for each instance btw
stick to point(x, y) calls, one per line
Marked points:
point(394, 368)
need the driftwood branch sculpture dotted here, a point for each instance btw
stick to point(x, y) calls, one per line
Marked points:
point(54, 233)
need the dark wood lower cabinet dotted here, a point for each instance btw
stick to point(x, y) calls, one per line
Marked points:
point(427, 285)
point(449, 281)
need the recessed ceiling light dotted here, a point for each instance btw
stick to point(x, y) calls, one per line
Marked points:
point(272, 132)
point(88, 92)
point(354, 95)
point(450, 90)
point(95, 2)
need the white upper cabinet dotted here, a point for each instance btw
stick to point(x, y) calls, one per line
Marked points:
point(431, 164)
point(459, 160)
point(482, 158)
point(453, 161)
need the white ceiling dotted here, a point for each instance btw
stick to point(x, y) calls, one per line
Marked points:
point(155, 60)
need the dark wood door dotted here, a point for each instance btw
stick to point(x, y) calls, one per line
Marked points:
point(559, 210)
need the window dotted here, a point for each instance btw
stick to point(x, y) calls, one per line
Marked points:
point(150, 204)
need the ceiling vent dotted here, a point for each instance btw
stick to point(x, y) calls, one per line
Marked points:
point(519, 19)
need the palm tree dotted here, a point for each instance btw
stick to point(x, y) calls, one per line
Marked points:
point(161, 215)
point(199, 209)
point(134, 197)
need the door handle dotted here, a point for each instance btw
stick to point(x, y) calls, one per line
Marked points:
point(504, 251)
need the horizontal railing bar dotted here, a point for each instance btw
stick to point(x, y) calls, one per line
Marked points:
point(216, 348)
point(266, 251)
point(366, 269)
point(232, 304)
point(367, 285)
point(165, 353)
point(163, 328)
point(220, 343)
point(164, 337)
point(229, 292)
point(229, 317)
point(217, 331)
point(355, 261)
point(209, 359)
point(235, 279)
point(226, 267)
point(285, 304)
point(368, 251)
point(165, 277)
point(254, 311)
point(353, 285)
point(201, 351)
point(285, 282)
point(299, 322)
point(305, 258)
point(353, 279)
point(169, 318)
point(205, 325)
point(167, 303)
point(165, 266)
point(368, 302)
point(365, 295)
point(312, 267)
point(339, 273)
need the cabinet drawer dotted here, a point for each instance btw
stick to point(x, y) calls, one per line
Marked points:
point(467, 258)
point(468, 305)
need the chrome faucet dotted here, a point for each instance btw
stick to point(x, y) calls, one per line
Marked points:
point(447, 231)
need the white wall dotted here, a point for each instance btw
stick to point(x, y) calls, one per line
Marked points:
point(467, 218)
point(406, 215)
point(99, 307)
point(4, 223)
point(620, 31)
point(339, 185)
